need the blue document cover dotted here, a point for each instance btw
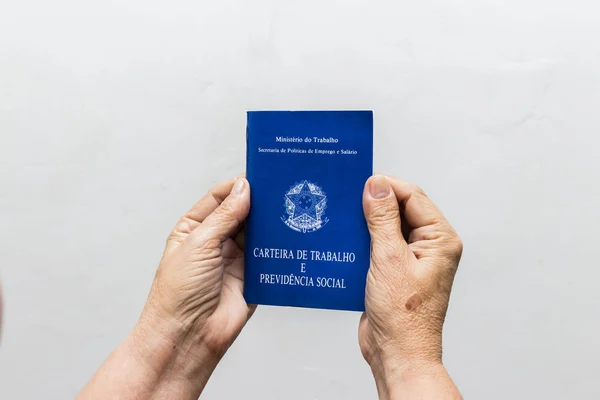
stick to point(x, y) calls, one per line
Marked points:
point(307, 243)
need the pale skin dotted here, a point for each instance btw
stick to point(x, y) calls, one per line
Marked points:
point(196, 309)
point(414, 256)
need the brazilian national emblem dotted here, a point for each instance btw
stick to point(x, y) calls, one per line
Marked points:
point(305, 206)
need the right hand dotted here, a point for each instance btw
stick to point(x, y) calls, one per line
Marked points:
point(414, 256)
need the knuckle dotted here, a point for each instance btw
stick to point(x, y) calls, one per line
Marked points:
point(394, 257)
point(388, 253)
point(208, 249)
point(383, 214)
point(456, 242)
point(185, 225)
point(437, 221)
point(452, 249)
point(204, 243)
point(173, 235)
point(415, 189)
point(225, 211)
point(214, 194)
point(182, 228)
point(418, 190)
point(458, 246)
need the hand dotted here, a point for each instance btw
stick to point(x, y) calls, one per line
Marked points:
point(414, 256)
point(195, 309)
point(198, 287)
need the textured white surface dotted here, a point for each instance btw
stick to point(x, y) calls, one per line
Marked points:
point(115, 116)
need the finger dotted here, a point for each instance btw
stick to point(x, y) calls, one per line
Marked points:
point(251, 310)
point(231, 252)
point(226, 219)
point(383, 219)
point(196, 215)
point(209, 203)
point(234, 272)
point(240, 238)
point(418, 209)
point(431, 234)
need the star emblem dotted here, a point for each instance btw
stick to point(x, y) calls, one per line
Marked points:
point(305, 202)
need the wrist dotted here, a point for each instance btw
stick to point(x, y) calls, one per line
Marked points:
point(419, 378)
point(175, 360)
point(157, 360)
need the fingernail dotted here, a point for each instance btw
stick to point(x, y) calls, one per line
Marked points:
point(238, 187)
point(379, 187)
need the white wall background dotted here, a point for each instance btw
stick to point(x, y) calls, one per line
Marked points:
point(117, 115)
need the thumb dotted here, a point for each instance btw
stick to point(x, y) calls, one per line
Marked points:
point(382, 212)
point(229, 215)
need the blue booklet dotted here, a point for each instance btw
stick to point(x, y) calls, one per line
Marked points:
point(307, 242)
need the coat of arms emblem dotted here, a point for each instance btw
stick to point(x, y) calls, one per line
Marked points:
point(305, 205)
